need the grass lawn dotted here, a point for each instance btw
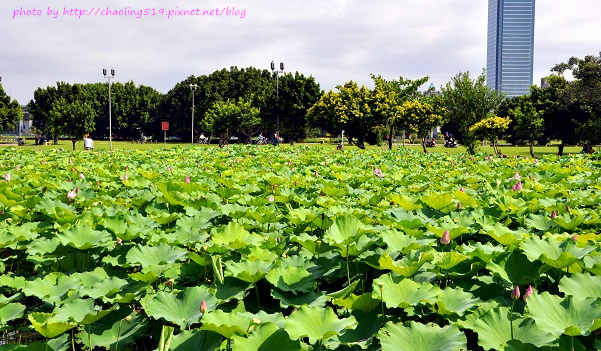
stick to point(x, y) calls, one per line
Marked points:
point(101, 145)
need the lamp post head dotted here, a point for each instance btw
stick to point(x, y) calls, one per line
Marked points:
point(281, 66)
point(193, 87)
point(104, 72)
point(272, 66)
point(112, 72)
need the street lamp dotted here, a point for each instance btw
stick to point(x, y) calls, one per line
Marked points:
point(193, 87)
point(109, 77)
point(277, 91)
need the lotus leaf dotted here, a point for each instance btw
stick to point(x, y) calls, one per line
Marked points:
point(227, 324)
point(248, 271)
point(268, 337)
point(419, 337)
point(400, 292)
point(317, 324)
point(291, 278)
point(570, 315)
point(11, 311)
point(195, 340)
point(155, 255)
point(344, 231)
point(182, 309)
point(553, 252)
point(45, 324)
point(117, 330)
point(455, 301)
point(83, 237)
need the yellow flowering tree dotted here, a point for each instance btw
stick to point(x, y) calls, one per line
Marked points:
point(419, 118)
point(490, 129)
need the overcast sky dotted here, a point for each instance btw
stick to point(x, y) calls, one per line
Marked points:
point(331, 40)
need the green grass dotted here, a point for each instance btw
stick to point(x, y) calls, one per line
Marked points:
point(101, 145)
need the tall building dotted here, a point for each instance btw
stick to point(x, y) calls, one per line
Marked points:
point(510, 47)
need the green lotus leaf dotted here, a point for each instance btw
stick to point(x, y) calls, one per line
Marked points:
point(317, 324)
point(568, 222)
point(399, 242)
point(419, 337)
point(447, 260)
point(405, 202)
point(43, 246)
point(502, 234)
point(455, 301)
point(345, 292)
point(155, 255)
point(300, 216)
point(45, 324)
point(268, 337)
point(581, 285)
point(182, 309)
point(227, 324)
point(83, 237)
point(494, 330)
point(117, 330)
point(11, 311)
point(8, 198)
point(291, 278)
point(24, 232)
point(234, 236)
point(464, 198)
point(148, 277)
point(515, 269)
point(57, 210)
point(571, 315)
point(116, 225)
point(80, 311)
point(195, 340)
point(311, 243)
point(52, 287)
point(538, 222)
point(248, 271)
point(408, 266)
point(175, 194)
point(289, 299)
point(364, 302)
point(438, 202)
point(401, 292)
point(485, 252)
point(344, 231)
point(557, 254)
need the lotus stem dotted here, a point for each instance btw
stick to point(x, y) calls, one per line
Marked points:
point(118, 335)
point(348, 274)
point(511, 320)
point(257, 293)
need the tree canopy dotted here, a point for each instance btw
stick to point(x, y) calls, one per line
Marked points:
point(10, 111)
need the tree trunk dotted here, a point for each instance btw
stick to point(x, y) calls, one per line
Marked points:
point(424, 145)
point(560, 149)
point(74, 141)
point(390, 136)
point(532, 149)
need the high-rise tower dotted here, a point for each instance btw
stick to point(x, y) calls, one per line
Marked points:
point(510, 49)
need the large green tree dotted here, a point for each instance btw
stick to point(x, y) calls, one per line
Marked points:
point(390, 95)
point(230, 117)
point(418, 118)
point(529, 123)
point(10, 111)
point(467, 101)
point(73, 119)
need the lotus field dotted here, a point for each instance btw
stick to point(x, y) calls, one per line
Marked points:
point(298, 248)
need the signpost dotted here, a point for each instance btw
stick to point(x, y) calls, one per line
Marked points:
point(165, 128)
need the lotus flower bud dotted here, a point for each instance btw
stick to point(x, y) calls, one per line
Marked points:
point(203, 307)
point(575, 237)
point(553, 214)
point(528, 292)
point(459, 205)
point(462, 190)
point(568, 208)
point(271, 199)
point(7, 177)
point(515, 293)
point(187, 180)
point(446, 238)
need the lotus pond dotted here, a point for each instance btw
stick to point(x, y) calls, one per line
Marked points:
point(298, 248)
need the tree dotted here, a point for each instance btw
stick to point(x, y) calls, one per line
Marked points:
point(529, 123)
point(389, 96)
point(467, 101)
point(581, 96)
point(74, 119)
point(419, 118)
point(491, 129)
point(227, 117)
point(297, 94)
point(10, 111)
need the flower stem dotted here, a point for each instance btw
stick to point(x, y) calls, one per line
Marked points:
point(511, 318)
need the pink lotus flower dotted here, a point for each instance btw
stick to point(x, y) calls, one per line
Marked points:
point(16, 168)
point(118, 242)
point(517, 176)
point(515, 293)
point(7, 177)
point(71, 194)
point(289, 163)
point(536, 160)
point(187, 180)
point(517, 187)
point(124, 177)
point(527, 293)
point(553, 214)
point(70, 161)
point(575, 237)
point(169, 169)
point(271, 199)
point(462, 190)
point(81, 176)
point(459, 205)
point(203, 307)
point(378, 173)
point(446, 238)
point(316, 174)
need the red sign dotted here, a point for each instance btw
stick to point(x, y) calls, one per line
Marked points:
point(165, 125)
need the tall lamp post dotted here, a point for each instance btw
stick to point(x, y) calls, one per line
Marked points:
point(193, 87)
point(109, 77)
point(277, 92)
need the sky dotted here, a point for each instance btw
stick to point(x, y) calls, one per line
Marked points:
point(332, 40)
